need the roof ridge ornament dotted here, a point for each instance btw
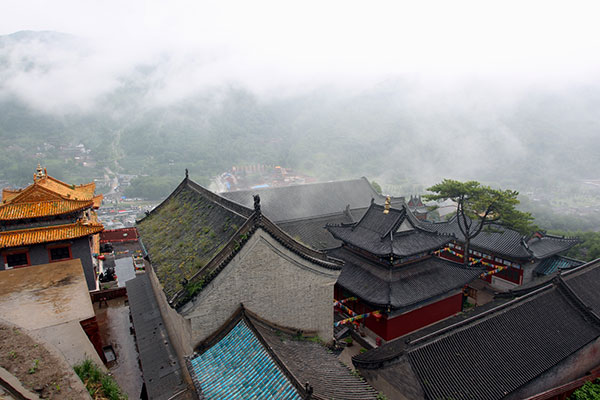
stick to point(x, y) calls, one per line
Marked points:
point(187, 174)
point(257, 212)
point(40, 173)
point(388, 203)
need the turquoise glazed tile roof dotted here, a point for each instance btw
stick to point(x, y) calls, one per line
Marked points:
point(238, 367)
point(555, 263)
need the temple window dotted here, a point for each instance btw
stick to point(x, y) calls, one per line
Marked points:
point(16, 259)
point(60, 253)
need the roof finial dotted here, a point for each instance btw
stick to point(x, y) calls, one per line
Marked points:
point(309, 391)
point(187, 174)
point(256, 203)
point(39, 173)
point(388, 203)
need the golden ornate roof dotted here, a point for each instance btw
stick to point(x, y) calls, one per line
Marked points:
point(46, 189)
point(15, 211)
point(24, 237)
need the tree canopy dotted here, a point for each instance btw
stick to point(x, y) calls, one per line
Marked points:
point(478, 206)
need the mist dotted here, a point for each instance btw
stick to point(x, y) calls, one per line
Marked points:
point(406, 93)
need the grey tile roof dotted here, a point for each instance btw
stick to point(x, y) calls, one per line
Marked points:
point(185, 231)
point(549, 245)
point(585, 282)
point(312, 362)
point(403, 287)
point(312, 231)
point(160, 366)
point(314, 199)
point(192, 236)
point(500, 241)
point(505, 347)
point(376, 233)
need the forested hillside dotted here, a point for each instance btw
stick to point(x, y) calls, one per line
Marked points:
point(397, 131)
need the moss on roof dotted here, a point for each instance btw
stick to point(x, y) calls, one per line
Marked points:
point(184, 233)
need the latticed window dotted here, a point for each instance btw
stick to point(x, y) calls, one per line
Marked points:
point(17, 259)
point(60, 253)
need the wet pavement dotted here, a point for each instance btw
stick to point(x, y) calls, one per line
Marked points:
point(114, 325)
point(124, 270)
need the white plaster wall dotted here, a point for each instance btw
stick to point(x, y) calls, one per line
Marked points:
point(272, 282)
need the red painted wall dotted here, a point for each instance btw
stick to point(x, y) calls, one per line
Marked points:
point(408, 322)
point(416, 319)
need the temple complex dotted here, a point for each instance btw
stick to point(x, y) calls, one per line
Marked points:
point(208, 255)
point(390, 276)
point(50, 221)
point(538, 344)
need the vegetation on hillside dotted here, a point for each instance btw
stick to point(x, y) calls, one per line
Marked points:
point(99, 385)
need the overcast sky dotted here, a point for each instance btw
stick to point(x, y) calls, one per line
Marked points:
point(282, 45)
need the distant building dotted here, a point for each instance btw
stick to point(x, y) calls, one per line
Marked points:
point(416, 206)
point(302, 211)
point(50, 221)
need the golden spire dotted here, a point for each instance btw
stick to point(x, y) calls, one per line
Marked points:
point(388, 203)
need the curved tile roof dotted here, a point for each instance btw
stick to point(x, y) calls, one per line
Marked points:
point(49, 186)
point(248, 350)
point(24, 237)
point(16, 211)
point(497, 240)
point(238, 367)
point(505, 347)
point(376, 233)
point(516, 345)
point(548, 245)
point(402, 287)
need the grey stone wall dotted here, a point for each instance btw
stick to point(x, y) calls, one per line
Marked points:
point(178, 328)
point(272, 282)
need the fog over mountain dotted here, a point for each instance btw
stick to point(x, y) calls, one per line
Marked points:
point(405, 94)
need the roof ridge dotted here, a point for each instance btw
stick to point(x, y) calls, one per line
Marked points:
point(187, 182)
point(311, 217)
point(580, 267)
point(560, 237)
point(574, 298)
point(222, 201)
